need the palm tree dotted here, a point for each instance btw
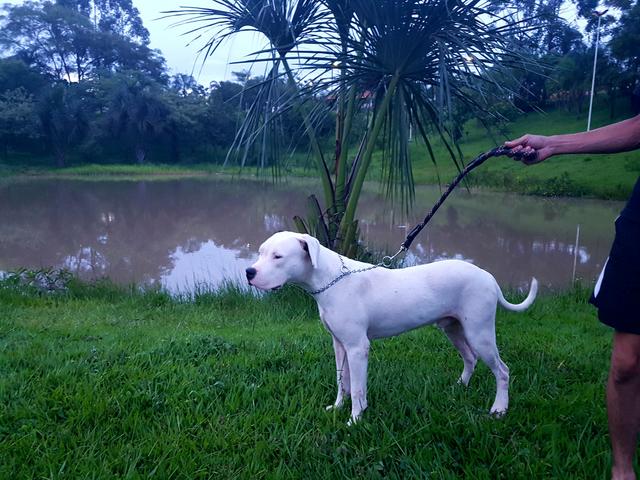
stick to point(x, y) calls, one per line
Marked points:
point(402, 63)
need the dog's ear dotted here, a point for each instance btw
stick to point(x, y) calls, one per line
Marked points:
point(312, 246)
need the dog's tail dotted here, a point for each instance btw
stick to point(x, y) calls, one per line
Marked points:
point(519, 307)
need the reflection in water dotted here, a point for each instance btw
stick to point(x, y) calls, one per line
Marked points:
point(189, 234)
point(208, 264)
point(87, 261)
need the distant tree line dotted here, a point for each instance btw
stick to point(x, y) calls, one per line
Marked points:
point(569, 54)
point(79, 83)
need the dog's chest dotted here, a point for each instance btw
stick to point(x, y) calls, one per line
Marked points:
point(344, 323)
point(324, 319)
point(336, 324)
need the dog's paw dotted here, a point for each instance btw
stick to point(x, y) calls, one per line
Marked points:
point(334, 406)
point(463, 382)
point(355, 418)
point(498, 412)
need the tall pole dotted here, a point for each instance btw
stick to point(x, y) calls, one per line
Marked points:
point(595, 61)
point(575, 254)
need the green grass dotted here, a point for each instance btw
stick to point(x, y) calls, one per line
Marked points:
point(133, 170)
point(102, 382)
point(111, 171)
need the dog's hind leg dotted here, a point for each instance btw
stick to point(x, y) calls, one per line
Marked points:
point(453, 329)
point(342, 373)
point(479, 323)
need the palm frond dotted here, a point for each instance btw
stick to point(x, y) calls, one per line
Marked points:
point(285, 24)
point(444, 53)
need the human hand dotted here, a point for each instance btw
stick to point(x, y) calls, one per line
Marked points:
point(536, 148)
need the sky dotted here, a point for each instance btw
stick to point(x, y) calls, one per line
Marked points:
point(181, 56)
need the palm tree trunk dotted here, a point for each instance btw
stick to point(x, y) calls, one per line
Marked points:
point(342, 191)
point(347, 231)
point(327, 184)
point(341, 163)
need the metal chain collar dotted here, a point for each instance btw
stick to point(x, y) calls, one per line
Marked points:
point(345, 273)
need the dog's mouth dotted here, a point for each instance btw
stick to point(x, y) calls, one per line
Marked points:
point(271, 289)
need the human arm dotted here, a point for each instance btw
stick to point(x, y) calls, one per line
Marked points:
point(617, 137)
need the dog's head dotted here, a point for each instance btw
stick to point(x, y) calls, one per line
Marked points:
point(284, 257)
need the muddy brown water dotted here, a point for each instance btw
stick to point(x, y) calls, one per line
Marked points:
point(188, 233)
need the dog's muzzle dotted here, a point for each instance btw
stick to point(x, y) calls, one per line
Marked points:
point(251, 273)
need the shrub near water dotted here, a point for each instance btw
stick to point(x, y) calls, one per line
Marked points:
point(99, 382)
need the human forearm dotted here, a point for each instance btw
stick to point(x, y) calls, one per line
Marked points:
point(618, 137)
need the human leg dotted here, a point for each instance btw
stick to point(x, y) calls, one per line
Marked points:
point(623, 403)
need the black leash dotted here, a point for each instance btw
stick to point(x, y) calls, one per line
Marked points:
point(388, 260)
point(476, 162)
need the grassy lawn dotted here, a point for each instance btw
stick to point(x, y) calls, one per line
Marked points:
point(111, 171)
point(104, 383)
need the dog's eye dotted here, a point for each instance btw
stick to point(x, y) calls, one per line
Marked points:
point(276, 256)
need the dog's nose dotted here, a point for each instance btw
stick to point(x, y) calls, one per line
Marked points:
point(251, 272)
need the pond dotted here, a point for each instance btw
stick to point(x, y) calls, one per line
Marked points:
point(199, 233)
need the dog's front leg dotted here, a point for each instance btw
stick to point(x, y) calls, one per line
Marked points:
point(358, 358)
point(342, 373)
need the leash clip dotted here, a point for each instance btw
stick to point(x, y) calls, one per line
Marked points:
point(387, 260)
point(343, 268)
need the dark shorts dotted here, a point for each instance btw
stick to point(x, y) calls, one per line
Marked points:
point(618, 299)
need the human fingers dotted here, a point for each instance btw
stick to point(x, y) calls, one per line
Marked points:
point(531, 156)
point(517, 152)
point(526, 155)
point(517, 142)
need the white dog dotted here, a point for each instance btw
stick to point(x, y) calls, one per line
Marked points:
point(359, 302)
